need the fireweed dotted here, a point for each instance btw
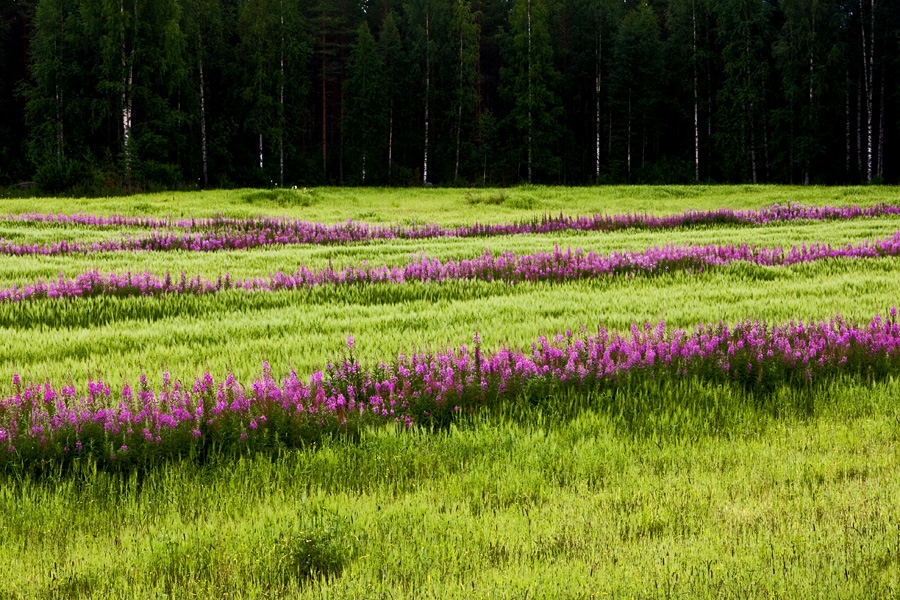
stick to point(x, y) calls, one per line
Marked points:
point(41, 424)
point(223, 233)
point(556, 266)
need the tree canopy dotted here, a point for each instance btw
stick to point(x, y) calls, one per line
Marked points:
point(139, 94)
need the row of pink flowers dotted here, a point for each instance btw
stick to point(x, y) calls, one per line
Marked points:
point(556, 266)
point(223, 233)
point(40, 420)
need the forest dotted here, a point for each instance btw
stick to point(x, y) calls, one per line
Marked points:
point(110, 95)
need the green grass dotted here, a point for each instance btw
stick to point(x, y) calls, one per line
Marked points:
point(497, 507)
point(24, 270)
point(450, 206)
point(235, 331)
point(664, 489)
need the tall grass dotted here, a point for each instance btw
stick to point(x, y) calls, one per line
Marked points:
point(120, 338)
point(516, 504)
point(672, 487)
point(450, 206)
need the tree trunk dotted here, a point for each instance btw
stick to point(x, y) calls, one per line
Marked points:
point(860, 158)
point(847, 131)
point(459, 102)
point(530, 95)
point(203, 154)
point(696, 103)
point(427, 89)
point(628, 138)
point(881, 128)
point(127, 81)
point(60, 140)
point(324, 107)
point(390, 141)
point(281, 104)
point(868, 50)
point(597, 92)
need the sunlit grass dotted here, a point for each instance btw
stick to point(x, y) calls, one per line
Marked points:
point(668, 489)
point(495, 507)
point(450, 206)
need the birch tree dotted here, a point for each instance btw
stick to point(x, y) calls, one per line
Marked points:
point(364, 122)
point(743, 31)
point(530, 85)
point(636, 77)
point(466, 33)
point(807, 52)
point(395, 70)
point(428, 29)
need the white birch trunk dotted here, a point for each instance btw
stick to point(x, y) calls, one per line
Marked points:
point(628, 139)
point(847, 132)
point(752, 144)
point(127, 80)
point(459, 101)
point(127, 121)
point(696, 102)
point(868, 50)
point(324, 107)
point(260, 151)
point(597, 91)
point(390, 140)
point(281, 102)
point(813, 122)
point(530, 95)
point(880, 169)
point(60, 145)
point(427, 89)
point(860, 159)
point(203, 153)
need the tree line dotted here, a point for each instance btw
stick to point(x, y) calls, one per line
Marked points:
point(147, 94)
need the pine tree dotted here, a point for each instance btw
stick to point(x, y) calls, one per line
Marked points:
point(530, 85)
point(395, 83)
point(364, 121)
point(635, 83)
point(467, 32)
point(807, 53)
point(743, 30)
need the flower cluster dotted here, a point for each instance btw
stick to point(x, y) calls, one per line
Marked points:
point(40, 422)
point(511, 268)
point(223, 233)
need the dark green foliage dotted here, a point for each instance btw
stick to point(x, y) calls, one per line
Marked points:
point(743, 122)
point(636, 95)
point(531, 81)
point(788, 91)
point(365, 121)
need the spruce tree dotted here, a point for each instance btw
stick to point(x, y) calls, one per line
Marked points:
point(636, 78)
point(742, 133)
point(365, 117)
point(395, 85)
point(531, 81)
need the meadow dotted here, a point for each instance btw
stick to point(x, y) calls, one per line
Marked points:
point(660, 422)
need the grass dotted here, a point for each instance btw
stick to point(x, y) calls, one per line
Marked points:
point(118, 339)
point(497, 507)
point(665, 489)
point(21, 270)
point(451, 206)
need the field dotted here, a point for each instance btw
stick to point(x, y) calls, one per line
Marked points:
point(713, 473)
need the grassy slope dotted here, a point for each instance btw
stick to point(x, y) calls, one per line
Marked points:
point(699, 493)
point(496, 508)
point(113, 337)
point(451, 206)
